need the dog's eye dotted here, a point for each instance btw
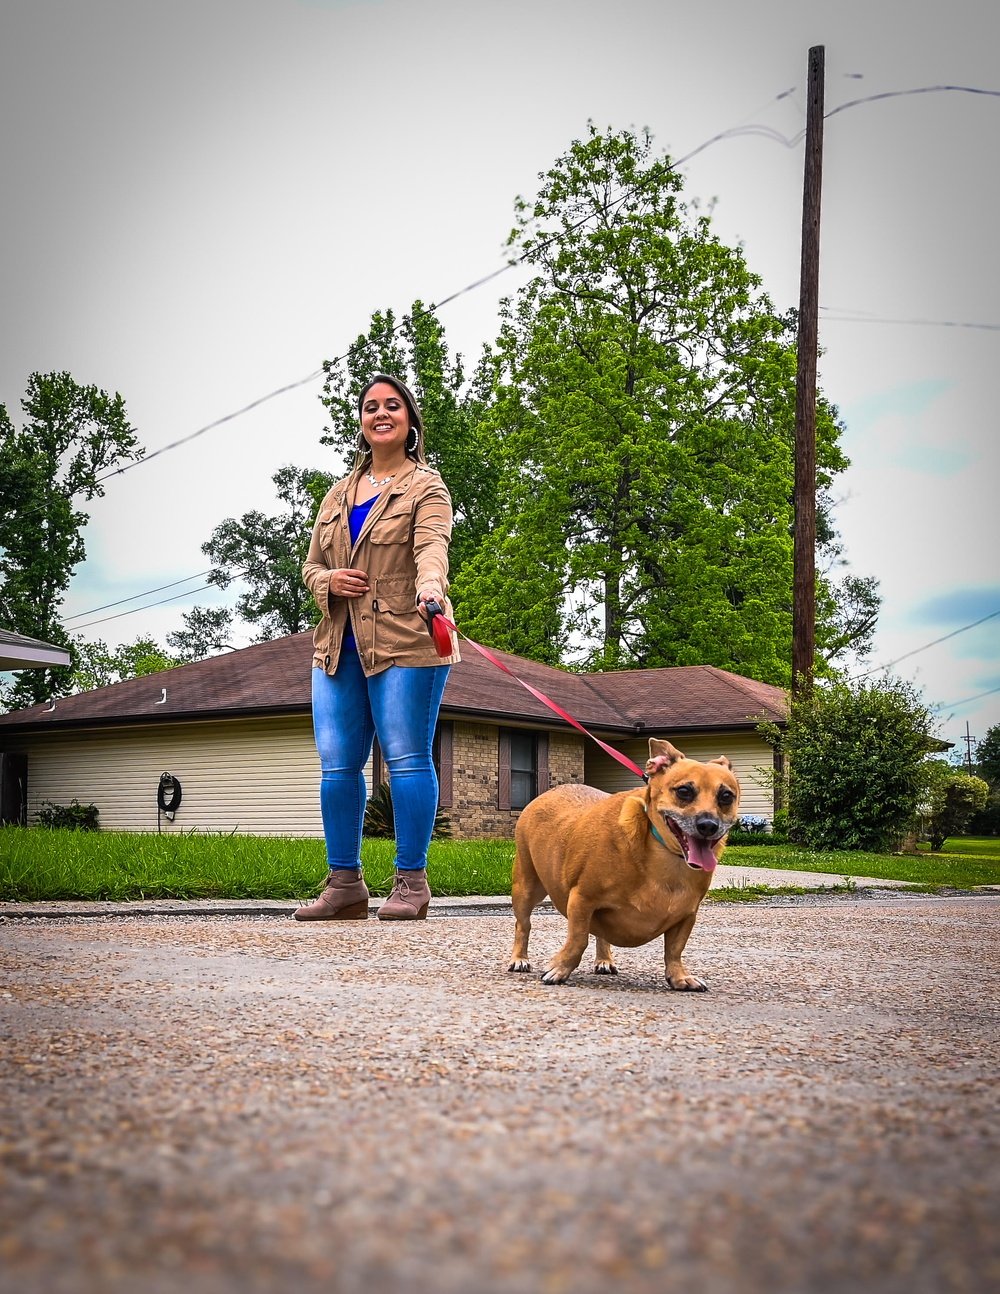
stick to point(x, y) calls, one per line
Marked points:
point(725, 797)
point(685, 793)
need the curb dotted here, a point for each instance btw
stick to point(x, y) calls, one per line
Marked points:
point(494, 905)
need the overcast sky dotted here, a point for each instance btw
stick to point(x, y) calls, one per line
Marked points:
point(204, 199)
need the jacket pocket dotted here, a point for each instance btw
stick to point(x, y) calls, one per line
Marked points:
point(393, 527)
point(400, 626)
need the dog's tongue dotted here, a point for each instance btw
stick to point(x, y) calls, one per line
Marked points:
point(700, 853)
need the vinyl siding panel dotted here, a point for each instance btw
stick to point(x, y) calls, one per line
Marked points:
point(251, 777)
point(747, 752)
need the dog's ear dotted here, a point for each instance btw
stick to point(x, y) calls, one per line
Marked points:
point(632, 819)
point(661, 755)
point(724, 761)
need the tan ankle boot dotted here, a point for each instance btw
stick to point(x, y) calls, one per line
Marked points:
point(409, 898)
point(344, 899)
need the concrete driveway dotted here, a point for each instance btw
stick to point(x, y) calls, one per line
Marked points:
point(226, 1104)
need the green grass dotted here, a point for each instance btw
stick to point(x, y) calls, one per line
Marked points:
point(952, 868)
point(37, 864)
point(969, 846)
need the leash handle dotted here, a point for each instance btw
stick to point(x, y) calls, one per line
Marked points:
point(437, 616)
point(437, 626)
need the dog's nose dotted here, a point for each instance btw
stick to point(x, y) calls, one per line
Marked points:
point(707, 825)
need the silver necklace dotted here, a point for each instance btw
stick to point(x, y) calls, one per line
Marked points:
point(378, 484)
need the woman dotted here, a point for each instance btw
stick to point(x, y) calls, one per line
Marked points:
point(379, 554)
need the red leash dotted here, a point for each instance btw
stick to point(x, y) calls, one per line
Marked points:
point(439, 624)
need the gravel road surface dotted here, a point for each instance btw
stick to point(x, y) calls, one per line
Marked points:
point(229, 1105)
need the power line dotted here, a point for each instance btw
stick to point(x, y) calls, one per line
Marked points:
point(930, 323)
point(134, 598)
point(953, 705)
point(148, 607)
point(922, 89)
point(916, 651)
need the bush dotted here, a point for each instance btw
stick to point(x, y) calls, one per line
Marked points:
point(380, 823)
point(987, 821)
point(954, 800)
point(75, 816)
point(854, 754)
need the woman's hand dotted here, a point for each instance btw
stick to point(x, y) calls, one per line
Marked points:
point(428, 593)
point(346, 583)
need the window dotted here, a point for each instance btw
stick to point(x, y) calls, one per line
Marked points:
point(523, 766)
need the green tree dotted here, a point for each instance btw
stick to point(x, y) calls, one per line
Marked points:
point(97, 665)
point(206, 631)
point(856, 757)
point(643, 406)
point(266, 554)
point(988, 756)
point(414, 349)
point(72, 435)
point(954, 800)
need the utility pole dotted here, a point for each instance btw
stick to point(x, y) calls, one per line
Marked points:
point(804, 548)
point(968, 739)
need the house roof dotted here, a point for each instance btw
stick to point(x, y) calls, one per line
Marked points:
point(275, 678)
point(19, 652)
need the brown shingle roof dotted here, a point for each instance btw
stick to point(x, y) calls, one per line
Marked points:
point(274, 678)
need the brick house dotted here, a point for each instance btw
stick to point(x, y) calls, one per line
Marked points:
point(236, 731)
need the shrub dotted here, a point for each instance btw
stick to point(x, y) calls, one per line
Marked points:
point(854, 754)
point(380, 824)
point(75, 816)
point(954, 800)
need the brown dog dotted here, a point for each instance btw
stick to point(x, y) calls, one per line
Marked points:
point(625, 867)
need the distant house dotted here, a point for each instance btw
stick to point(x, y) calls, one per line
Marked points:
point(235, 730)
point(20, 652)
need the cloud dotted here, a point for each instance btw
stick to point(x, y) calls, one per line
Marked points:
point(896, 431)
point(959, 607)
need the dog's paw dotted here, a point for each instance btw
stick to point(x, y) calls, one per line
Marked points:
point(605, 968)
point(519, 964)
point(556, 975)
point(687, 984)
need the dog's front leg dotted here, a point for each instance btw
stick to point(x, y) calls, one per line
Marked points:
point(604, 958)
point(678, 976)
point(566, 960)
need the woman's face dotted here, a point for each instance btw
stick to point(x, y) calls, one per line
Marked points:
point(385, 419)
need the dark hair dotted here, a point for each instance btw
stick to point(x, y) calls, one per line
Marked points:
point(416, 452)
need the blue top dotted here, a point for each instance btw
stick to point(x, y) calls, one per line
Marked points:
point(356, 520)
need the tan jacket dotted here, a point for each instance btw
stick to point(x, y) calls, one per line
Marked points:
point(402, 547)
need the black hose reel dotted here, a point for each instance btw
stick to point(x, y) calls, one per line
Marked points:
point(168, 797)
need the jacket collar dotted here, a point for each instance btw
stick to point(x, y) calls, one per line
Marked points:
point(401, 482)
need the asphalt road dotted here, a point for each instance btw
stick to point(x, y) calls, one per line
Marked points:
point(222, 1105)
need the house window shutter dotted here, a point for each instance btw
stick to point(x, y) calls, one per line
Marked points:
point(379, 774)
point(444, 741)
point(542, 763)
point(503, 761)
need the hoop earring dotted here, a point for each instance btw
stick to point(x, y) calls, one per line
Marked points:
point(363, 445)
point(411, 437)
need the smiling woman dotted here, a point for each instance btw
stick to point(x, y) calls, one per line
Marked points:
point(379, 555)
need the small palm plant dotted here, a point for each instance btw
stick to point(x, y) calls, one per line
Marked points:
point(379, 821)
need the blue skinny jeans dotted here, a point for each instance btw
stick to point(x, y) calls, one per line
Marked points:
point(400, 704)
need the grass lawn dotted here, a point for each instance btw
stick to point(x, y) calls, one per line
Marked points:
point(37, 864)
point(957, 866)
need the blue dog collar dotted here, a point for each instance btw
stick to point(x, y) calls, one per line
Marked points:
point(652, 827)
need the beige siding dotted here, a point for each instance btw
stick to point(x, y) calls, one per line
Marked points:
point(253, 777)
point(746, 750)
